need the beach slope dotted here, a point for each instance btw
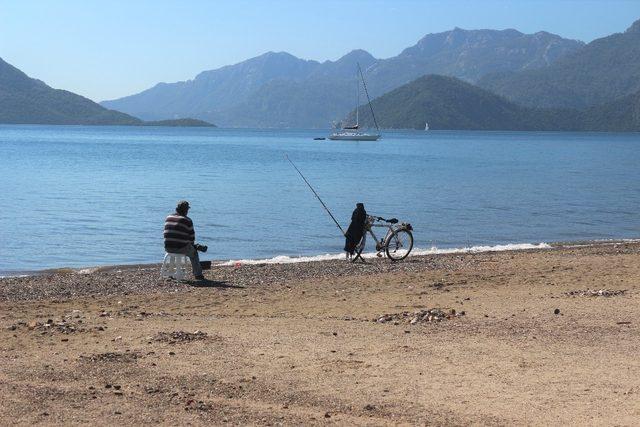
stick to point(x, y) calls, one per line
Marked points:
point(527, 337)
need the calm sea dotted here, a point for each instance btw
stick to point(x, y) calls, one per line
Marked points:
point(85, 196)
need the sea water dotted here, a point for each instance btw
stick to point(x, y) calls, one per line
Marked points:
point(75, 196)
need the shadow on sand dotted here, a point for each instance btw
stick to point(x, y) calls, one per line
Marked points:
point(211, 284)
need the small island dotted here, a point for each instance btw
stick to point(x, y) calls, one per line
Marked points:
point(179, 123)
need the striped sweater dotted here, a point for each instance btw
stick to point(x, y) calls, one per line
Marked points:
point(178, 232)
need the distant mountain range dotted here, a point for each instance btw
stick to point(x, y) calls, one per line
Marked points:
point(522, 81)
point(448, 103)
point(24, 100)
point(280, 90)
point(600, 72)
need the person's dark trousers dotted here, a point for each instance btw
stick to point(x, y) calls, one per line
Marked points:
point(192, 253)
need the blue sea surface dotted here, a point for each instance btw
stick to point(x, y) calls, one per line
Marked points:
point(76, 196)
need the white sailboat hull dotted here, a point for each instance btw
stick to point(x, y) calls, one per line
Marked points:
point(354, 137)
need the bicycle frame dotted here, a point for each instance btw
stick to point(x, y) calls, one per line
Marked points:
point(379, 243)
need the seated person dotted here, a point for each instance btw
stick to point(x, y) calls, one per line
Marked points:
point(179, 237)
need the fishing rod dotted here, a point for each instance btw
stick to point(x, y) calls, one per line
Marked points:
point(316, 194)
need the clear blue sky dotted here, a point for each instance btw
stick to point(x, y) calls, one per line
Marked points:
point(107, 49)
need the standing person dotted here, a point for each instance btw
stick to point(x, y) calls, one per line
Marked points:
point(179, 237)
point(356, 229)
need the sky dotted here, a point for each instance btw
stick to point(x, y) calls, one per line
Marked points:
point(109, 49)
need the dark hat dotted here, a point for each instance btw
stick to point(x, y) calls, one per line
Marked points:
point(182, 206)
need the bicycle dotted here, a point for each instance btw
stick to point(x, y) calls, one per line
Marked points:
point(396, 244)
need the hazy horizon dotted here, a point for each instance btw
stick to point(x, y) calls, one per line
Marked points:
point(106, 51)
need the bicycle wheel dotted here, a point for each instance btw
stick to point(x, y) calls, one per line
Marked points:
point(398, 244)
point(360, 247)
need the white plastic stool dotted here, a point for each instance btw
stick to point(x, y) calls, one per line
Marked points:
point(175, 266)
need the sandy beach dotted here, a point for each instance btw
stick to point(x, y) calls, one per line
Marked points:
point(538, 337)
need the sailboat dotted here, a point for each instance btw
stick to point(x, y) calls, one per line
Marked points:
point(426, 126)
point(353, 133)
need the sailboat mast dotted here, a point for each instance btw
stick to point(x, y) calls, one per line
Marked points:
point(364, 84)
point(357, 102)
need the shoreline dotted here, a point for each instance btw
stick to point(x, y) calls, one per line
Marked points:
point(145, 278)
point(289, 259)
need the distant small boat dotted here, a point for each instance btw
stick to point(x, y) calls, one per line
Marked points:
point(319, 139)
point(351, 133)
point(426, 126)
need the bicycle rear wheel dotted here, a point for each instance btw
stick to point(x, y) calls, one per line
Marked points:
point(398, 244)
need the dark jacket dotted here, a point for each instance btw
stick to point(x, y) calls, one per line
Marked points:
point(356, 228)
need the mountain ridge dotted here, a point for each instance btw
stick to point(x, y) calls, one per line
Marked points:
point(222, 94)
point(599, 72)
point(25, 100)
point(447, 103)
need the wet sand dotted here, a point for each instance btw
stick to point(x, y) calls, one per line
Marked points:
point(332, 342)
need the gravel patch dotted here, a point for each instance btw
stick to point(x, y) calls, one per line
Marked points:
point(420, 316)
point(146, 279)
point(61, 286)
point(180, 336)
point(68, 324)
point(111, 357)
point(596, 293)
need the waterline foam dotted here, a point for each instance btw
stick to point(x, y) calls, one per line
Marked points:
point(283, 259)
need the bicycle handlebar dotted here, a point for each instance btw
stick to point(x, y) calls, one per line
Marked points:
point(390, 221)
point(371, 219)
